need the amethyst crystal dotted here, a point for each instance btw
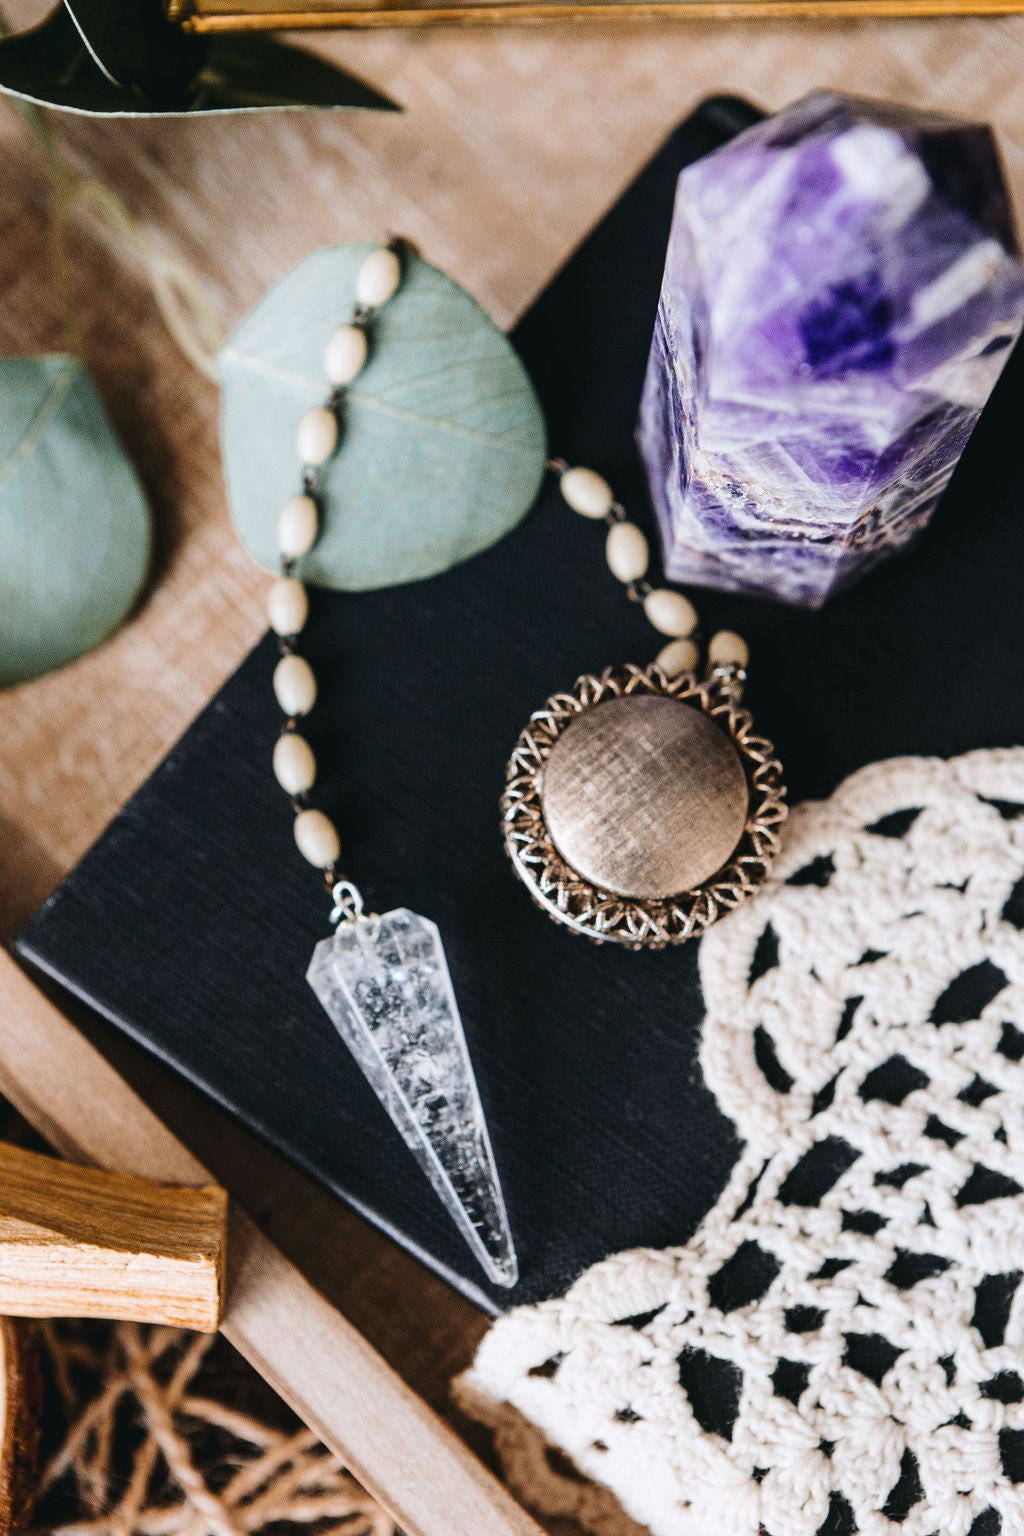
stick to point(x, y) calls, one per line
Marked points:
point(840, 295)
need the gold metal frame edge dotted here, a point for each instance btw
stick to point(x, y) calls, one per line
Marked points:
point(194, 18)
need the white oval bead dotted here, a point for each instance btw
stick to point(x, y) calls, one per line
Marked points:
point(587, 492)
point(345, 356)
point(317, 435)
point(670, 612)
point(626, 552)
point(727, 649)
point(295, 685)
point(378, 277)
point(294, 763)
point(297, 527)
point(317, 838)
point(287, 606)
point(679, 656)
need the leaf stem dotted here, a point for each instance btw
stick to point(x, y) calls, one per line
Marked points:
point(177, 290)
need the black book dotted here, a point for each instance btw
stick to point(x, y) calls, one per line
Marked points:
point(192, 921)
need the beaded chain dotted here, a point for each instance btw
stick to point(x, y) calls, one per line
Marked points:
point(628, 556)
point(317, 440)
point(298, 528)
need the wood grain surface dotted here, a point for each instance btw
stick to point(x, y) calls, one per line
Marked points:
point(511, 145)
point(20, 1408)
point(272, 15)
point(81, 1242)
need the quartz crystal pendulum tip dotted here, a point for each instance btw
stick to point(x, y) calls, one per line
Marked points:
point(384, 982)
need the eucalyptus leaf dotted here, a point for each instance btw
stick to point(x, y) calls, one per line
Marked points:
point(75, 532)
point(443, 443)
point(156, 70)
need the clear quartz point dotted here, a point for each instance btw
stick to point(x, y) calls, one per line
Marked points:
point(384, 982)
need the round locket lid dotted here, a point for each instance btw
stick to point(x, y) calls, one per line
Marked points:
point(639, 808)
point(645, 796)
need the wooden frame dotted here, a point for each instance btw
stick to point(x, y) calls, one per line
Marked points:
point(400, 1450)
point(322, 15)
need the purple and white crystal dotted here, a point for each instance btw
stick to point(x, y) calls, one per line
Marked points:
point(841, 293)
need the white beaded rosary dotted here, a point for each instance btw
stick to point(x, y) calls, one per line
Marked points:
point(638, 807)
point(297, 529)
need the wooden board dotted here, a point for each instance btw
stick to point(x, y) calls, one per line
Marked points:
point(272, 15)
point(402, 1452)
point(20, 1403)
point(80, 1242)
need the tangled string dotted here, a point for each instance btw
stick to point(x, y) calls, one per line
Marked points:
point(166, 1433)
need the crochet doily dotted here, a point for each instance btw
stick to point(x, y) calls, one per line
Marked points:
point(838, 1348)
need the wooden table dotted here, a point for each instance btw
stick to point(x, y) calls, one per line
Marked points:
point(511, 146)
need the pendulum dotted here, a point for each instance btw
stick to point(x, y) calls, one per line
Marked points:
point(384, 983)
point(383, 980)
point(640, 806)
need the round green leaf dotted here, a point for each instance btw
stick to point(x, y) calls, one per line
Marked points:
point(74, 526)
point(442, 438)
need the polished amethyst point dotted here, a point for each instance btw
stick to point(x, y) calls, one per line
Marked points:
point(840, 295)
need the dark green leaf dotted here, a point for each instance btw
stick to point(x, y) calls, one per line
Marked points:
point(135, 45)
point(53, 66)
point(246, 70)
point(74, 525)
point(443, 441)
point(50, 65)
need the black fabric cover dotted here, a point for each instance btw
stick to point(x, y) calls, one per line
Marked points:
point(191, 923)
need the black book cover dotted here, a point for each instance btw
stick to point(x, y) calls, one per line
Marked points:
point(191, 922)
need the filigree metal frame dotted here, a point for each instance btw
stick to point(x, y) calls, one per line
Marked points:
point(639, 923)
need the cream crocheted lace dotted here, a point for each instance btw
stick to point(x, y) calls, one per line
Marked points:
point(838, 1348)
